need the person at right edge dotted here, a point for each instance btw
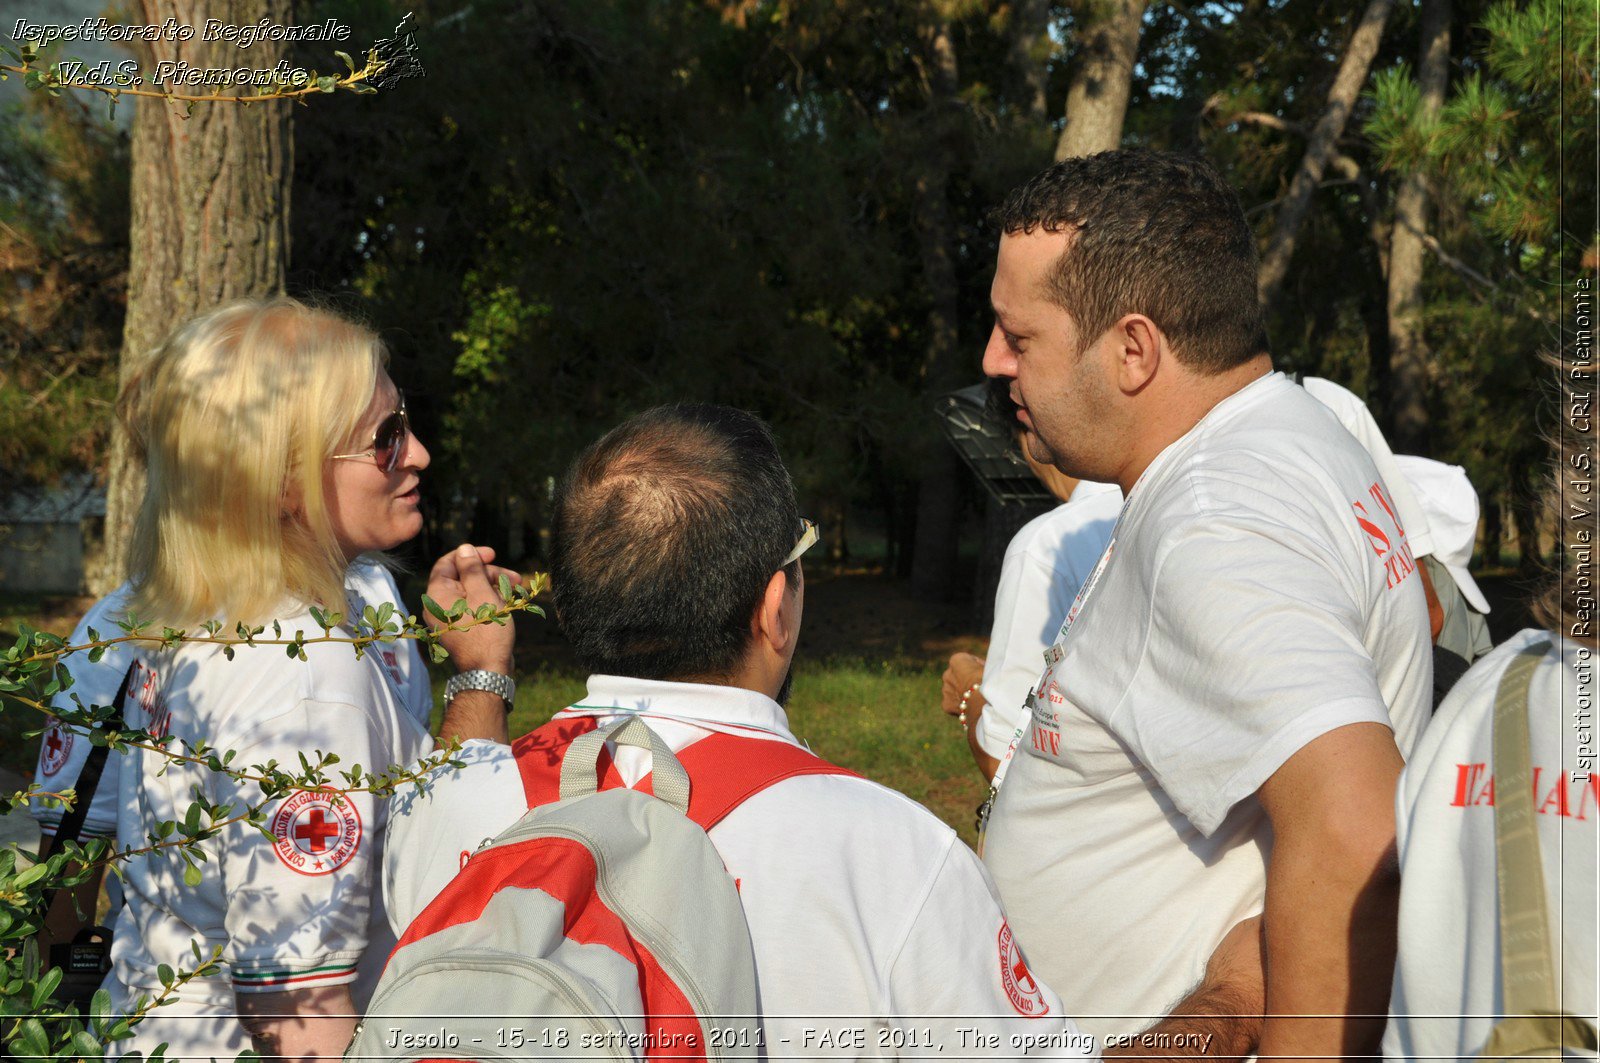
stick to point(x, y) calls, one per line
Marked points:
point(1466, 882)
point(1223, 722)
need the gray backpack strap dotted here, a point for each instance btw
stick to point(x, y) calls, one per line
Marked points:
point(580, 767)
point(1535, 1024)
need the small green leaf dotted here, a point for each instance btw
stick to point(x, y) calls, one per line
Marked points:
point(351, 63)
point(435, 608)
point(164, 973)
point(84, 1045)
point(29, 1040)
point(191, 875)
point(327, 83)
point(46, 986)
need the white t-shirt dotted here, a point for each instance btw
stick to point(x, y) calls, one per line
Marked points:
point(1256, 596)
point(1447, 991)
point(62, 753)
point(290, 912)
point(1046, 563)
point(868, 915)
point(1359, 422)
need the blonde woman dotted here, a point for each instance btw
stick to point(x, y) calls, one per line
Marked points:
point(279, 453)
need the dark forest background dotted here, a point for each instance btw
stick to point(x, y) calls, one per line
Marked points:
point(588, 208)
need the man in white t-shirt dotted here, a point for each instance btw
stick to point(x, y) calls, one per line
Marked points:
point(1243, 670)
point(677, 579)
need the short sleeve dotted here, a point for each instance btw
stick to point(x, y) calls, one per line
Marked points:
point(1254, 648)
point(435, 826)
point(960, 968)
point(299, 901)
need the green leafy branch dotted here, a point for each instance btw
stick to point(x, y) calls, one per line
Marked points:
point(33, 672)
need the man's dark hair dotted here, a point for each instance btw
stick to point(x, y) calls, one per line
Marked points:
point(1158, 234)
point(667, 531)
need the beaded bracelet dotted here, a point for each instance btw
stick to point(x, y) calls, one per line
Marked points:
point(966, 696)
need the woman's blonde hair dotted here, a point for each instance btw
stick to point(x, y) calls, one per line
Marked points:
point(237, 415)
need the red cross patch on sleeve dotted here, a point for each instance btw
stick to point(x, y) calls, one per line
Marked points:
point(57, 747)
point(1019, 983)
point(316, 831)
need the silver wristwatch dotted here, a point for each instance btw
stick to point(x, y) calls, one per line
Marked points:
point(481, 679)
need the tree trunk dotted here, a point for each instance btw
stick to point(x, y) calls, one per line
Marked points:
point(1102, 77)
point(938, 498)
point(1031, 48)
point(1407, 344)
point(1320, 148)
point(210, 213)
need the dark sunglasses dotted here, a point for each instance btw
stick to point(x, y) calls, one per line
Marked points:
point(388, 441)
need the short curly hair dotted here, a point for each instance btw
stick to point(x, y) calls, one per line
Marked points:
point(1155, 233)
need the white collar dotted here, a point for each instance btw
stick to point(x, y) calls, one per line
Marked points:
point(707, 704)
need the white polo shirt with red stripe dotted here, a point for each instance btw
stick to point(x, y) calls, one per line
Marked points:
point(294, 910)
point(876, 931)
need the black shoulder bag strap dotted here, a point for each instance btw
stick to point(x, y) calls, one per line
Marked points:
point(71, 825)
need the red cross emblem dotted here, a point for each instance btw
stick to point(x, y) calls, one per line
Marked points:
point(57, 746)
point(316, 831)
point(1019, 984)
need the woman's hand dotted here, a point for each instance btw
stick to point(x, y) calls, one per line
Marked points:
point(964, 673)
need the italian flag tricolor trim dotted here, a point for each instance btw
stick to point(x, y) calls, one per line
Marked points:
point(274, 979)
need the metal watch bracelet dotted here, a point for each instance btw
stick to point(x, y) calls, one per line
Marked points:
point(481, 679)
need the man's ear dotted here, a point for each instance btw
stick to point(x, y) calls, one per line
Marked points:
point(1140, 348)
point(773, 622)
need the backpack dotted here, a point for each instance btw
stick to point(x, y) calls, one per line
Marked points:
point(602, 924)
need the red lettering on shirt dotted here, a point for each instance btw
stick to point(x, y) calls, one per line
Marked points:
point(1380, 540)
point(1398, 565)
point(1466, 783)
point(1394, 552)
point(1378, 493)
point(1475, 788)
point(149, 702)
point(1557, 796)
point(1585, 794)
point(1046, 741)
